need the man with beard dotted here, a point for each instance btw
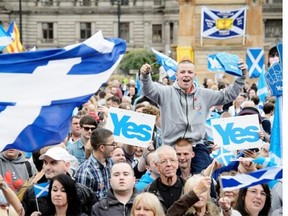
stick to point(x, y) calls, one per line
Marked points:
point(168, 187)
point(95, 171)
point(184, 107)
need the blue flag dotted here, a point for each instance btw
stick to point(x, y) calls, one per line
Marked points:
point(41, 190)
point(169, 64)
point(5, 38)
point(218, 24)
point(250, 179)
point(213, 64)
point(42, 88)
point(262, 91)
point(223, 156)
point(255, 62)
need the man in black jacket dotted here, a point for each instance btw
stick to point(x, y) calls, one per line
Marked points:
point(120, 196)
point(56, 161)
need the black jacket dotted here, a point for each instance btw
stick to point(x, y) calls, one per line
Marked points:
point(87, 198)
point(110, 206)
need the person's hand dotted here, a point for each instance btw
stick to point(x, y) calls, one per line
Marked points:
point(203, 186)
point(225, 204)
point(250, 154)
point(145, 69)
point(243, 67)
point(36, 213)
point(3, 184)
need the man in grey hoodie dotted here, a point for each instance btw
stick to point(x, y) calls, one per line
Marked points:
point(184, 106)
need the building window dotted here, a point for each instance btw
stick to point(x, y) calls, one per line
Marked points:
point(85, 2)
point(122, 2)
point(157, 33)
point(47, 2)
point(47, 32)
point(157, 2)
point(124, 31)
point(85, 31)
point(273, 28)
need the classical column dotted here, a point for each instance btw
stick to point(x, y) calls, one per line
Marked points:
point(167, 37)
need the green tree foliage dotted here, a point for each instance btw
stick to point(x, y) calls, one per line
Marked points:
point(134, 59)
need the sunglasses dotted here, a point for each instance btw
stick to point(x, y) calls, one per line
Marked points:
point(89, 128)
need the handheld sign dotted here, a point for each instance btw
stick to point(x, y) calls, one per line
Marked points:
point(131, 127)
point(240, 132)
point(229, 63)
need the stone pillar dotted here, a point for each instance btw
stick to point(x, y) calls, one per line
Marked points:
point(254, 27)
point(175, 32)
point(167, 38)
point(147, 37)
point(186, 36)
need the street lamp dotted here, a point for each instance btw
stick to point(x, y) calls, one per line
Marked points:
point(118, 15)
point(20, 19)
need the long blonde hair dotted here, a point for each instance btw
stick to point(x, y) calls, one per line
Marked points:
point(150, 201)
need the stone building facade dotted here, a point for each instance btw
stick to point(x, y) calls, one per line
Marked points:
point(142, 23)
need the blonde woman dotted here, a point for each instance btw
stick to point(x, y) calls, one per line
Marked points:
point(147, 204)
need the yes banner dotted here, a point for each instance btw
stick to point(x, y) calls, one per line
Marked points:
point(240, 132)
point(218, 24)
point(131, 127)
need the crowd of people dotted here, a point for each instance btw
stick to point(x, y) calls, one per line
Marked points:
point(91, 174)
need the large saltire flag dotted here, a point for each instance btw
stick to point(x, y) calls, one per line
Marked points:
point(218, 24)
point(5, 38)
point(255, 61)
point(16, 46)
point(169, 64)
point(40, 89)
point(261, 176)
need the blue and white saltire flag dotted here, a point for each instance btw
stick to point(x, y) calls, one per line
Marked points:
point(255, 62)
point(138, 85)
point(265, 161)
point(218, 24)
point(41, 190)
point(262, 91)
point(223, 156)
point(40, 89)
point(208, 127)
point(169, 64)
point(266, 175)
point(5, 38)
point(213, 64)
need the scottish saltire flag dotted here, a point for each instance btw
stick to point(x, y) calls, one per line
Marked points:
point(169, 64)
point(223, 156)
point(41, 189)
point(218, 24)
point(213, 64)
point(262, 91)
point(16, 45)
point(255, 61)
point(229, 183)
point(265, 161)
point(276, 140)
point(40, 89)
point(5, 38)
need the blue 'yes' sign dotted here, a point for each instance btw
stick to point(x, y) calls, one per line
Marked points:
point(240, 132)
point(131, 127)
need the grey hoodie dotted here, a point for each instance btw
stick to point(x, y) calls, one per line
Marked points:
point(15, 171)
point(183, 115)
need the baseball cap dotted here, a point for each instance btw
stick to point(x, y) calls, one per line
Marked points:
point(57, 153)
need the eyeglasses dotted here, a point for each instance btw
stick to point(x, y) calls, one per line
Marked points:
point(112, 144)
point(165, 162)
point(255, 192)
point(89, 128)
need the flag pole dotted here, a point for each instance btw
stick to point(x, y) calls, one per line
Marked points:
point(37, 205)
